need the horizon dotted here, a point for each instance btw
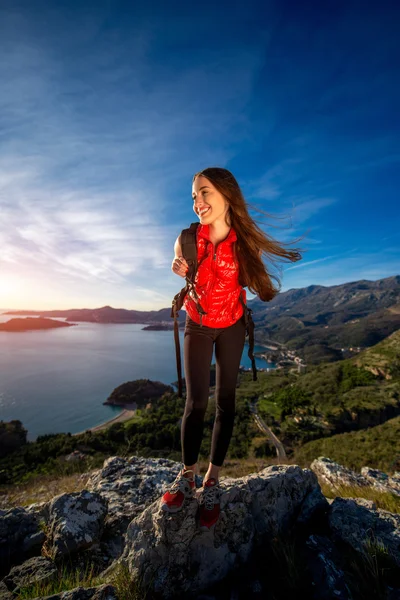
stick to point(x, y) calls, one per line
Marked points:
point(162, 308)
point(108, 110)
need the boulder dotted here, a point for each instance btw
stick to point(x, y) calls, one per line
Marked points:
point(21, 536)
point(354, 522)
point(381, 481)
point(36, 570)
point(170, 555)
point(130, 485)
point(75, 522)
point(335, 475)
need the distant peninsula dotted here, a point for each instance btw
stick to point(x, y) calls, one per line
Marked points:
point(105, 314)
point(32, 324)
point(137, 393)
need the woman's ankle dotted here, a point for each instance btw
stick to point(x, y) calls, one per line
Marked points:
point(189, 472)
point(212, 473)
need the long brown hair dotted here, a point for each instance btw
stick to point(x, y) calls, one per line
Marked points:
point(252, 241)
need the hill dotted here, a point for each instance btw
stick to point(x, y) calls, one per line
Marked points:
point(330, 323)
point(378, 446)
point(383, 358)
point(329, 398)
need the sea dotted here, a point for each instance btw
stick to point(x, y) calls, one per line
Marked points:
point(56, 380)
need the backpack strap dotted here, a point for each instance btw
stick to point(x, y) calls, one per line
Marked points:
point(248, 319)
point(189, 249)
point(188, 243)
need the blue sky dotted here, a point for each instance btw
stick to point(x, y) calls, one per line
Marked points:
point(108, 108)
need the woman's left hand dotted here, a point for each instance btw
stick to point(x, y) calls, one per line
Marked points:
point(180, 266)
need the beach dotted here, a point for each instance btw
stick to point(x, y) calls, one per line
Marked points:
point(125, 415)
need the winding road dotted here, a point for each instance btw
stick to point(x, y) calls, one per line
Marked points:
point(280, 450)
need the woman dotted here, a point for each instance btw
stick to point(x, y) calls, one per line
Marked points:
point(229, 250)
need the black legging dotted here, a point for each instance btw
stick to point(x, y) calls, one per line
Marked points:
point(198, 350)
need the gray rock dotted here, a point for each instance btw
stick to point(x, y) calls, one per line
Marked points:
point(40, 509)
point(20, 536)
point(336, 475)
point(315, 502)
point(75, 522)
point(37, 569)
point(129, 486)
point(381, 481)
point(171, 556)
point(354, 522)
point(394, 480)
point(370, 504)
point(324, 563)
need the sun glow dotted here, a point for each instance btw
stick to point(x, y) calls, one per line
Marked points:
point(10, 290)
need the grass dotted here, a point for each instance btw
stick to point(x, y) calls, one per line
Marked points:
point(127, 587)
point(383, 500)
point(40, 489)
point(266, 408)
point(65, 580)
point(369, 572)
point(377, 447)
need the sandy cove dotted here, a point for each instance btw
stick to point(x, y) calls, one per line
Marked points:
point(125, 415)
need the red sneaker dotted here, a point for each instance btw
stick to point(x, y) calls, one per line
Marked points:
point(209, 504)
point(180, 490)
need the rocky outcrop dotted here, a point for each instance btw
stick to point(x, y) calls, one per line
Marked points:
point(355, 523)
point(129, 486)
point(117, 522)
point(338, 476)
point(75, 522)
point(169, 554)
point(20, 536)
point(92, 522)
point(382, 481)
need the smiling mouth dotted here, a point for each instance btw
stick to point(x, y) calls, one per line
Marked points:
point(204, 211)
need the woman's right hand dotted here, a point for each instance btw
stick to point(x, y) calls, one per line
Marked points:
point(180, 266)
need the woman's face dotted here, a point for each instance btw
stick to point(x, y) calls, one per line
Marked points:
point(208, 203)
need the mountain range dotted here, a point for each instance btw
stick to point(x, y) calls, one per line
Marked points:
point(320, 323)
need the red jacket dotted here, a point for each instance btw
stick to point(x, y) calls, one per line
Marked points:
point(216, 282)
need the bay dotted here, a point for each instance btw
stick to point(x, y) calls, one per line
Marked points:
point(56, 380)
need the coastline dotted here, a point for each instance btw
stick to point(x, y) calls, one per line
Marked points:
point(125, 415)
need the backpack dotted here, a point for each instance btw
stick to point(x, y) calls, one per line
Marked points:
point(189, 252)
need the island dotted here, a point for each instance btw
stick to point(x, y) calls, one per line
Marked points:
point(137, 393)
point(32, 324)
